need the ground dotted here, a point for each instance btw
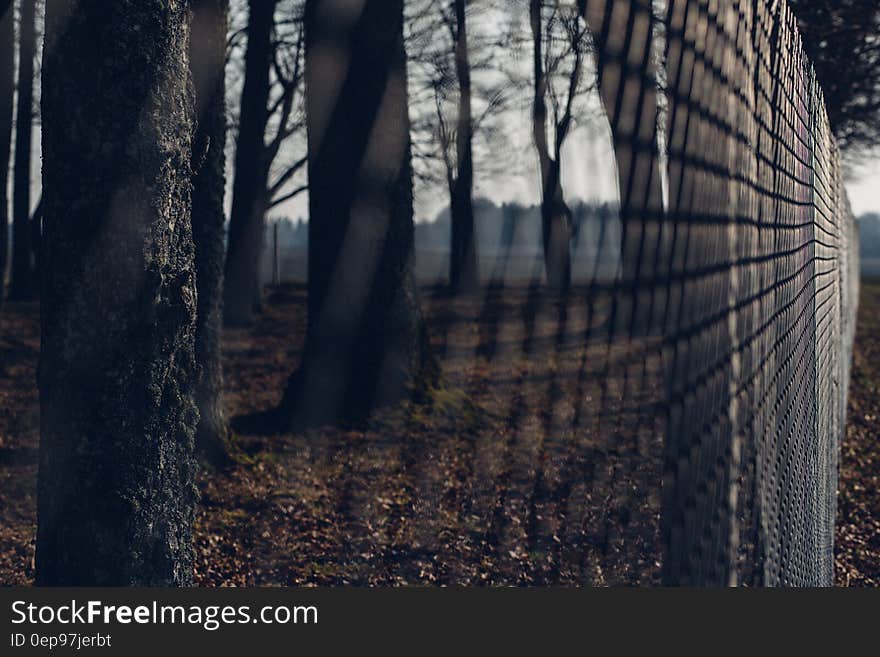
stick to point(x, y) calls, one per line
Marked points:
point(524, 469)
point(857, 548)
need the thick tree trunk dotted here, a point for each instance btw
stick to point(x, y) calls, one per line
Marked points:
point(638, 171)
point(22, 286)
point(207, 61)
point(7, 86)
point(116, 493)
point(249, 202)
point(555, 214)
point(367, 344)
point(463, 267)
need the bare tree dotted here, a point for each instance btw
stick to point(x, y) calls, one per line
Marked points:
point(22, 285)
point(367, 343)
point(559, 49)
point(270, 116)
point(463, 271)
point(458, 95)
point(7, 85)
point(241, 291)
point(286, 144)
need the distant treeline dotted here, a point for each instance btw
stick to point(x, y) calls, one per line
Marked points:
point(869, 243)
point(869, 235)
point(508, 244)
point(510, 226)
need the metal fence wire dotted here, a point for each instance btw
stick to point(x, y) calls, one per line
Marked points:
point(740, 253)
point(676, 417)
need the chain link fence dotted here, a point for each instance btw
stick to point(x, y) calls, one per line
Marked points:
point(676, 417)
point(748, 271)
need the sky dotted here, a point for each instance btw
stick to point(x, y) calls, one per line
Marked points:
point(589, 170)
point(589, 174)
point(863, 188)
point(588, 165)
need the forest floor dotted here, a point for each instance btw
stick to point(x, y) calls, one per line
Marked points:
point(537, 462)
point(857, 540)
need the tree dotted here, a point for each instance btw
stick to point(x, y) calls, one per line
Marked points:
point(286, 145)
point(7, 84)
point(456, 97)
point(270, 116)
point(463, 273)
point(22, 284)
point(559, 46)
point(366, 344)
point(463, 269)
point(116, 494)
point(284, 142)
point(241, 291)
point(36, 224)
point(842, 39)
point(207, 62)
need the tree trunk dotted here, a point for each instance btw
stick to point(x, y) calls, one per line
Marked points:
point(249, 202)
point(555, 214)
point(36, 224)
point(117, 419)
point(463, 267)
point(367, 343)
point(207, 61)
point(556, 230)
point(638, 171)
point(7, 86)
point(22, 285)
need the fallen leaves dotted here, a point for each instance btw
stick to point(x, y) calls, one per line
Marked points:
point(527, 487)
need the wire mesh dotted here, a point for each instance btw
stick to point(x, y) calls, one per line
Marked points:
point(676, 416)
point(747, 273)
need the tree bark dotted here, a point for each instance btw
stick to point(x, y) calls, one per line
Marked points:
point(36, 224)
point(367, 344)
point(117, 418)
point(207, 61)
point(556, 230)
point(249, 200)
point(463, 267)
point(7, 86)
point(555, 213)
point(22, 286)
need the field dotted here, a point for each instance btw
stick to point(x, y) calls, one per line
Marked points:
point(526, 469)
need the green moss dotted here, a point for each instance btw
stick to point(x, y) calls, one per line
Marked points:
point(436, 408)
